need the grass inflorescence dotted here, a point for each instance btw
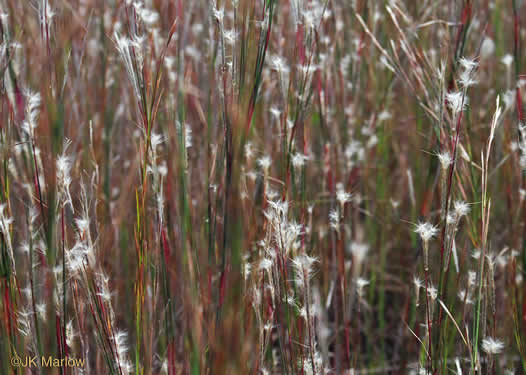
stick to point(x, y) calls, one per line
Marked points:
point(263, 187)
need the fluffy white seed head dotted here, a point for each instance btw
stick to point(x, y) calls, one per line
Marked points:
point(33, 101)
point(359, 251)
point(63, 165)
point(426, 231)
point(334, 220)
point(361, 283)
point(265, 264)
point(303, 265)
point(432, 292)
point(298, 160)
point(461, 209)
point(487, 48)
point(343, 197)
point(264, 163)
point(456, 102)
point(492, 345)
point(507, 60)
point(445, 159)
point(467, 74)
point(463, 295)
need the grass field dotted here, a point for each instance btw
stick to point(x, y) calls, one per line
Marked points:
point(262, 187)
